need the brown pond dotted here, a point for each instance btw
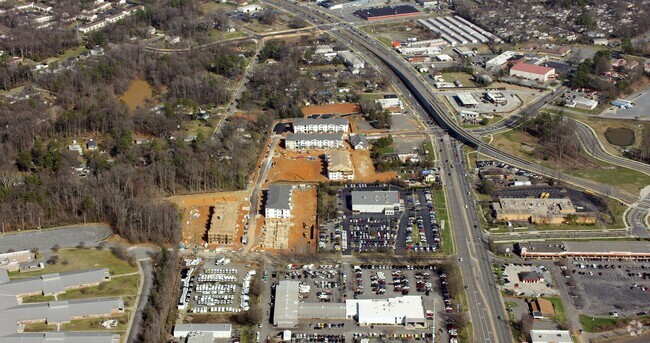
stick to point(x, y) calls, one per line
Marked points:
point(138, 92)
point(620, 136)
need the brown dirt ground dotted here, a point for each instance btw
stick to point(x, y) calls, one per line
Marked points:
point(341, 109)
point(196, 208)
point(305, 216)
point(364, 170)
point(294, 166)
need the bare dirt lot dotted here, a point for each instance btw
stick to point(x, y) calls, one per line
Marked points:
point(364, 170)
point(196, 208)
point(294, 166)
point(340, 109)
point(303, 234)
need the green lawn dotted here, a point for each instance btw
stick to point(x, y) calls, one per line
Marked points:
point(79, 259)
point(523, 145)
point(89, 324)
point(431, 155)
point(415, 234)
point(92, 324)
point(560, 313)
point(598, 324)
point(118, 286)
point(441, 210)
point(464, 78)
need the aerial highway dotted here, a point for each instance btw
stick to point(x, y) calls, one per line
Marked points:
point(485, 306)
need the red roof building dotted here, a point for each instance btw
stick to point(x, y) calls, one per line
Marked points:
point(532, 72)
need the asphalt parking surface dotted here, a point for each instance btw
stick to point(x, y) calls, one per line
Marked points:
point(67, 237)
point(598, 291)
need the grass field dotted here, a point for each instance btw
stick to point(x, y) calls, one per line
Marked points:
point(119, 286)
point(441, 210)
point(560, 313)
point(464, 78)
point(78, 259)
point(89, 324)
point(598, 324)
point(523, 145)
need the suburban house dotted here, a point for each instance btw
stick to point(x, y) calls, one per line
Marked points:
point(320, 125)
point(359, 142)
point(278, 202)
point(339, 166)
point(295, 141)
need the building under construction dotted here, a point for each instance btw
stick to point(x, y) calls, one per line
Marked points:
point(223, 224)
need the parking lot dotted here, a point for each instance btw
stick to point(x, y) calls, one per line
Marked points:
point(67, 237)
point(415, 229)
point(420, 232)
point(336, 282)
point(601, 287)
point(215, 286)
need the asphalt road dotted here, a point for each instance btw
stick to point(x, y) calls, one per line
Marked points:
point(486, 309)
point(593, 146)
point(255, 193)
point(514, 120)
point(143, 298)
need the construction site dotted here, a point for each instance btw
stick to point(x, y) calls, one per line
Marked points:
point(212, 220)
point(293, 166)
point(297, 234)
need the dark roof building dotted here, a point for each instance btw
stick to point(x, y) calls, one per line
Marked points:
point(530, 277)
point(387, 12)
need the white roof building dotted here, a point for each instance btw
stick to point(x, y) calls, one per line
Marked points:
point(550, 336)
point(215, 330)
point(499, 61)
point(392, 311)
point(352, 61)
point(386, 202)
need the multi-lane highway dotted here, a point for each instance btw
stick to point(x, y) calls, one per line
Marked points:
point(486, 309)
point(484, 300)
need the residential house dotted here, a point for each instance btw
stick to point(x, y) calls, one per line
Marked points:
point(339, 166)
point(295, 141)
point(359, 142)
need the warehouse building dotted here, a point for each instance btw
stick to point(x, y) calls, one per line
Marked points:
point(540, 211)
point(320, 125)
point(14, 313)
point(285, 311)
point(339, 166)
point(631, 250)
point(278, 202)
point(387, 12)
point(295, 141)
point(405, 310)
point(352, 61)
point(466, 100)
point(389, 100)
point(532, 72)
point(500, 61)
point(386, 202)
point(212, 330)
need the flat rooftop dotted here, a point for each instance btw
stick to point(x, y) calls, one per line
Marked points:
point(604, 247)
point(375, 197)
point(534, 206)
